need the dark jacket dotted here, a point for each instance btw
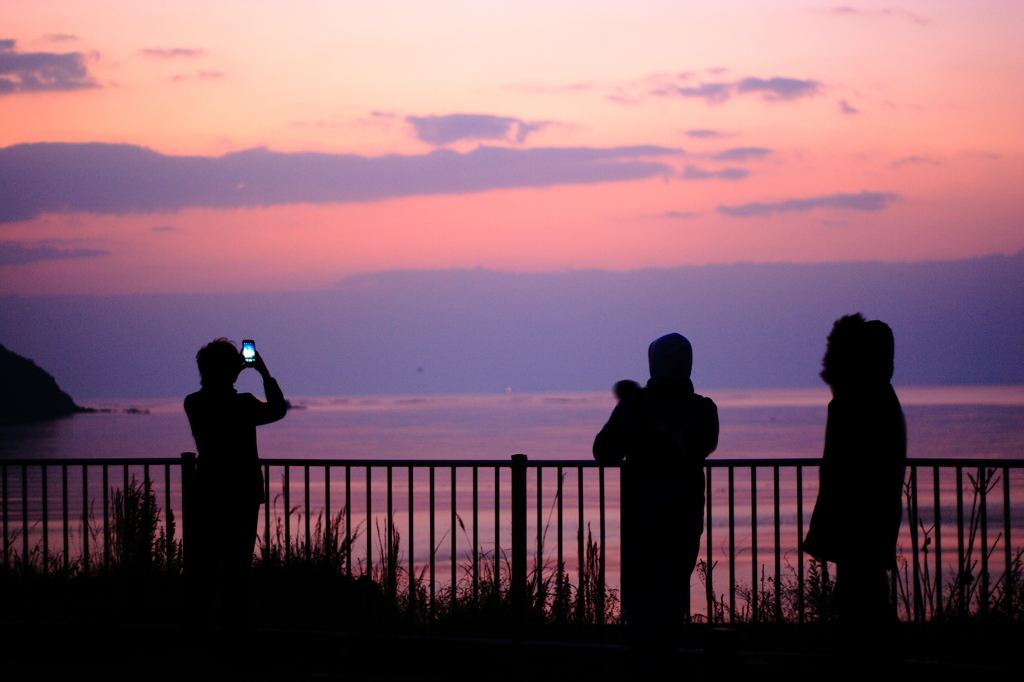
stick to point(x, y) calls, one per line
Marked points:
point(224, 427)
point(859, 507)
point(665, 428)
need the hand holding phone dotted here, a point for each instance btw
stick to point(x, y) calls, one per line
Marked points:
point(248, 351)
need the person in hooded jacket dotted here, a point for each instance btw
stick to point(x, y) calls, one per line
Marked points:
point(229, 478)
point(663, 432)
point(856, 518)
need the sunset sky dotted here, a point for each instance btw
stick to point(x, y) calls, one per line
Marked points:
point(327, 139)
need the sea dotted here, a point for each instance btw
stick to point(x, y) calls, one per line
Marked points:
point(742, 548)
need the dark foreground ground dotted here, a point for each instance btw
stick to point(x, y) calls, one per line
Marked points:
point(112, 652)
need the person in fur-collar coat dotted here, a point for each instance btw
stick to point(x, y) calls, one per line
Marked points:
point(857, 515)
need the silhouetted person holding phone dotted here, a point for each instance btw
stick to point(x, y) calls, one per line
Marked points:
point(856, 518)
point(663, 431)
point(229, 479)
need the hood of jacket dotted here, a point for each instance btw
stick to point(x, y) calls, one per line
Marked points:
point(670, 357)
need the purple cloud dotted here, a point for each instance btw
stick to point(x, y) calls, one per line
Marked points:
point(675, 215)
point(703, 133)
point(18, 253)
point(444, 130)
point(742, 153)
point(42, 71)
point(118, 179)
point(916, 160)
point(779, 88)
point(847, 108)
point(865, 201)
point(774, 89)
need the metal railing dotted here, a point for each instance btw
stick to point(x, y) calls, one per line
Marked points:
point(511, 505)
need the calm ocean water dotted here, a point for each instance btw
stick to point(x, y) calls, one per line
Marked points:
point(941, 422)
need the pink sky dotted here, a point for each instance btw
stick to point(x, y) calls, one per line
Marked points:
point(889, 132)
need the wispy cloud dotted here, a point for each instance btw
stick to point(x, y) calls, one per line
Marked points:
point(165, 228)
point(909, 160)
point(704, 134)
point(60, 37)
point(20, 253)
point(171, 52)
point(674, 215)
point(847, 108)
point(117, 179)
point(775, 89)
point(865, 201)
point(696, 173)
point(444, 130)
point(742, 153)
point(42, 71)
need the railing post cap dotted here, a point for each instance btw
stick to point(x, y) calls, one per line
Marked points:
point(519, 458)
point(188, 455)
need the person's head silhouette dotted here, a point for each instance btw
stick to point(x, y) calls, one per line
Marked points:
point(219, 363)
point(859, 353)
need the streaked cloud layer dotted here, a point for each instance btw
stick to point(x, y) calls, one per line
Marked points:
point(113, 179)
point(864, 201)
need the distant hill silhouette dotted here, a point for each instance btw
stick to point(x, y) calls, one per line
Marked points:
point(29, 393)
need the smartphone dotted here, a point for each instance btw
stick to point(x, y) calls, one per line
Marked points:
point(249, 351)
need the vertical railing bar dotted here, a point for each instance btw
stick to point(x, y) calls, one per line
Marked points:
point(392, 572)
point(601, 569)
point(433, 603)
point(983, 479)
point(7, 555)
point(709, 580)
point(937, 516)
point(580, 552)
point(167, 518)
point(106, 522)
point(915, 562)
point(124, 477)
point(800, 542)
point(778, 546)
point(454, 534)
point(266, 512)
point(519, 544)
point(755, 587)
point(287, 515)
point(540, 537)
point(85, 517)
point(305, 481)
point(24, 517)
point(732, 545)
point(328, 535)
point(961, 585)
point(559, 565)
point(1006, 525)
point(46, 523)
point(412, 553)
point(476, 538)
point(64, 511)
point(348, 520)
point(497, 533)
point(369, 525)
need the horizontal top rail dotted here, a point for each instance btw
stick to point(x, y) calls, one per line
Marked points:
point(586, 463)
